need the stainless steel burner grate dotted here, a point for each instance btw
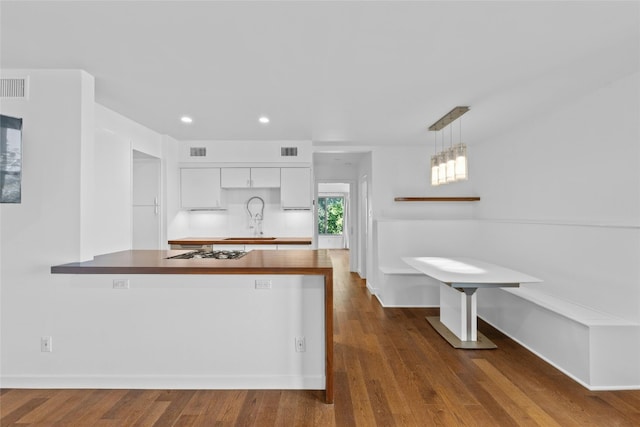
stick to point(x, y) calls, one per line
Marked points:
point(211, 254)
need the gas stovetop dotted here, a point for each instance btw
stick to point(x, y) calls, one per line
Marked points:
point(211, 254)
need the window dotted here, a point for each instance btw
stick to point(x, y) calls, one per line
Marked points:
point(330, 215)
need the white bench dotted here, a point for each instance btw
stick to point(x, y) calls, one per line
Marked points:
point(577, 313)
point(404, 286)
point(596, 349)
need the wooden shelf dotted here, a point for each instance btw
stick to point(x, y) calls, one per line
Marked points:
point(436, 199)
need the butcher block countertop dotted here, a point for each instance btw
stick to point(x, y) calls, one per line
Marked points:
point(156, 262)
point(241, 241)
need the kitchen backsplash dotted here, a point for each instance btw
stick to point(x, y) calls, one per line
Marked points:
point(235, 220)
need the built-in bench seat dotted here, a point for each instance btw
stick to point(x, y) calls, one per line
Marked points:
point(595, 348)
point(403, 286)
point(572, 311)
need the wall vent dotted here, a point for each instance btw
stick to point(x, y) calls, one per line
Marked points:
point(198, 151)
point(13, 88)
point(288, 151)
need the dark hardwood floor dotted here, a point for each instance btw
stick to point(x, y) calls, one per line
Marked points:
point(391, 368)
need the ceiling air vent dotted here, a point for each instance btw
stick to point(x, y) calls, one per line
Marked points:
point(198, 151)
point(13, 88)
point(288, 151)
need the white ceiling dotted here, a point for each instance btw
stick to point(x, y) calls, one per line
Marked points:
point(353, 72)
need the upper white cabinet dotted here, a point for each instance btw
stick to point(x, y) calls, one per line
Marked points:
point(295, 188)
point(250, 177)
point(265, 177)
point(200, 188)
point(235, 177)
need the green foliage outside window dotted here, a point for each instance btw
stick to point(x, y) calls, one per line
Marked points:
point(330, 215)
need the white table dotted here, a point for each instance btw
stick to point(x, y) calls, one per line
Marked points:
point(459, 279)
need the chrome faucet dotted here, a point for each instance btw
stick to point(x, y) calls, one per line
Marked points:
point(256, 219)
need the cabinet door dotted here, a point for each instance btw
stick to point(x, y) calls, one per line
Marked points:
point(200, 188)
point(295, 188)
point(265, 177)
point(235, 178)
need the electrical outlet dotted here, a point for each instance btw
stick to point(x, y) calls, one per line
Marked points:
point(301, 346)
point(46, 344)
point(120, 283)
point(263, 284)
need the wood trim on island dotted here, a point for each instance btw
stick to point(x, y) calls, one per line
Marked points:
point(241, 241)
point(437, 199)
point(298, 262)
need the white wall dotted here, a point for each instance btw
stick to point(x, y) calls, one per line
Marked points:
point(116, 138)
point(405, 172)
point(245, 152)
point(561, 197)
point(45, 229)
point(561, 201)
point(176, 221)
point(113, 213)
point(76, 203)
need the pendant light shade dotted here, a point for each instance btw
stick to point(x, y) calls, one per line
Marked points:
point(434, 170)
point(461, 162)
point(442, 168)
point(451, 165)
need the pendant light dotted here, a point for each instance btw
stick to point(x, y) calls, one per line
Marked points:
point(442, 164)
point(434, 162)
point(449, 165)
point(461, 159)
point(451, 159)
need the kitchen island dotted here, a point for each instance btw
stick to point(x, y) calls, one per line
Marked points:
point(247, 312)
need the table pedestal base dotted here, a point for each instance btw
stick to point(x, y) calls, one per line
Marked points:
point(481, 343)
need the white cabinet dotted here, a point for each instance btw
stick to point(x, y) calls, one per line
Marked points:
point(235, 177)
point(250, 177)
point(200, 188)
point(265, 177)
point(295, 188)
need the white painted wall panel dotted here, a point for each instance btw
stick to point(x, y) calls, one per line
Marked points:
point(182, 331)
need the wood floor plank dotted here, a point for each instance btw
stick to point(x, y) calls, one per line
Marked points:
point(91, 408)
point(153, 414)
point(45, 410)
point(22, 410)
point(515, 394)
point(390, 368)
point(178, 400)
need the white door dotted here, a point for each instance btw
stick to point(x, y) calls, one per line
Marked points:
point(146, 202)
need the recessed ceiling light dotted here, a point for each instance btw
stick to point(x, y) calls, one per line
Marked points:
point(186, 119)
point(264, 120)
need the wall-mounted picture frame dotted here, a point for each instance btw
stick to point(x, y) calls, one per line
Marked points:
point(10, 159)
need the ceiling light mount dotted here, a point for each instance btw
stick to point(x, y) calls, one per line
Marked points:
point(445, 120)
